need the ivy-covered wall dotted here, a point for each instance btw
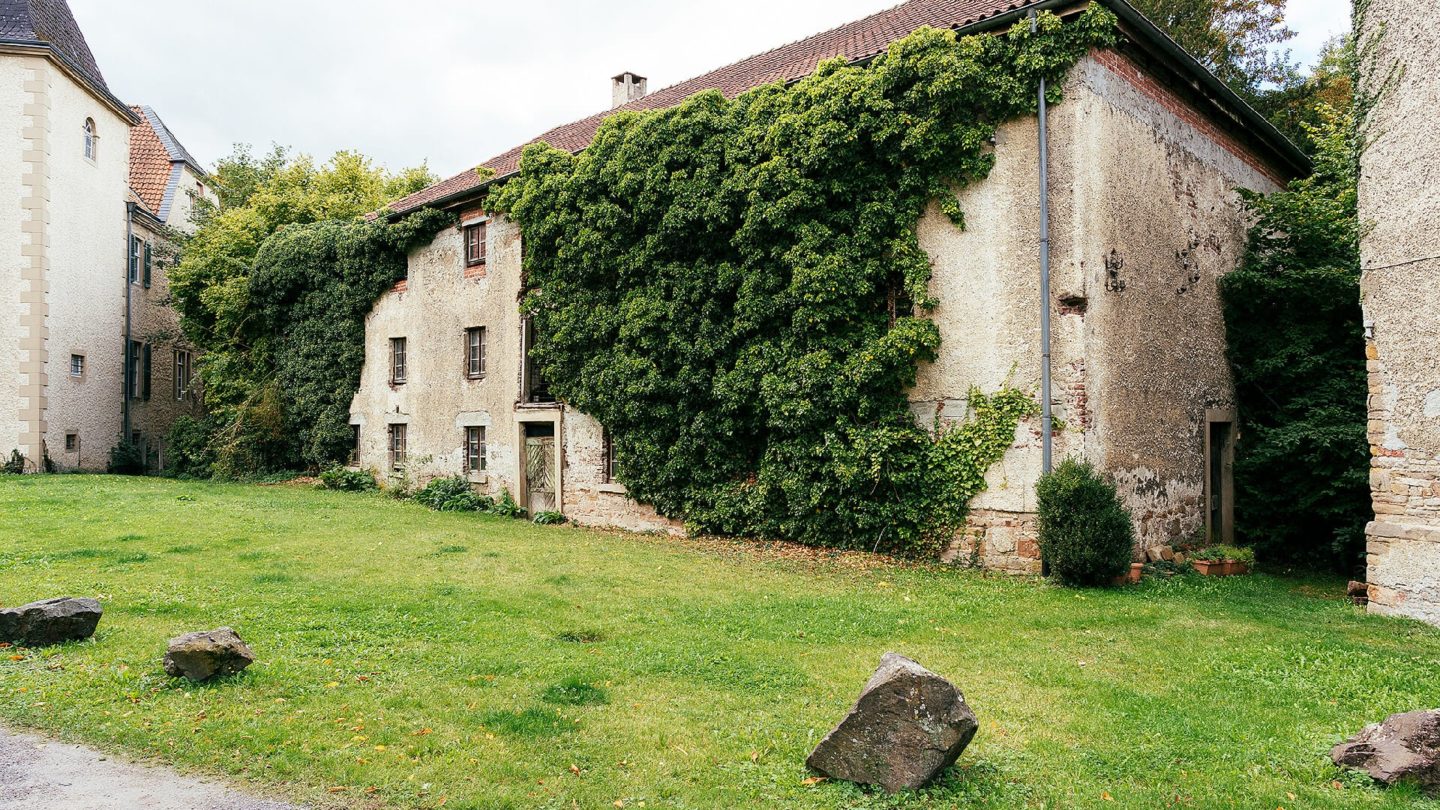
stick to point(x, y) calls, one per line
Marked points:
point(736, 289)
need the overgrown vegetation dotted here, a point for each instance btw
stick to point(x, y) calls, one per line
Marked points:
point(1086, 535)
point(274, 286)
point(344, 479)
point(1296, 343)
point(728, 285)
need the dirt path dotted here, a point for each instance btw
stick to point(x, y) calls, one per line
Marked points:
point(37, 774)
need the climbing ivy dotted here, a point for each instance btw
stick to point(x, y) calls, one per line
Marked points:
point(725, 285)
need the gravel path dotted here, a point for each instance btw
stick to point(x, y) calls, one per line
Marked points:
point(36, 774)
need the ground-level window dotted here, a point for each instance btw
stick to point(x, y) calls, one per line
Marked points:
point(72, 442)
point(397, 446)
point(475, 449)
point(608, 469)
point(397, 361)
point(183, 362)
point(475, 352)
point(77, 365)
point(475, 248)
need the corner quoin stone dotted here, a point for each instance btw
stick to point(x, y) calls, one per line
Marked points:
point(53, 621)
point(908, 726)
point(207, 655)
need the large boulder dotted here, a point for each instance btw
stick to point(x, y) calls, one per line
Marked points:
point(908, 726)
point(54, 621)
point(1404, 748)
point(206, 655)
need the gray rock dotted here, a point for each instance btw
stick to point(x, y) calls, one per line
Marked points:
point(1404, 748)
point(54, 621)
point(908, 726)
point(206, 655)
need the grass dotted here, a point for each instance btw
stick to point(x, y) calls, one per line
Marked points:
point(409, 658)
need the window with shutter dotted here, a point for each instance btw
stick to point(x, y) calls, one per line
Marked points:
point(145, 381)
point(148, 262)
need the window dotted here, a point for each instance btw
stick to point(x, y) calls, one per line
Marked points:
point(72, 442)
point(137, 250)
point(475, 449)
point(475, 244)
point(608, 468)
point(77, 365)
point(397, 446)
point(355, 446)
point(91, 139)
point(475, 352)
point(397, 361)
point(534, 389)
point(145, 372)
point(183, 363)
point(132, 369)
point(148, 263)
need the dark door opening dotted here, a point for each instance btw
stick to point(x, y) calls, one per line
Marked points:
point(1220, 478)
point(541, 484)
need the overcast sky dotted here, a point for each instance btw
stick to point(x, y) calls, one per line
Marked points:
point(451, 82)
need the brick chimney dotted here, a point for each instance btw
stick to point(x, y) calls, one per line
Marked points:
point(627, 87)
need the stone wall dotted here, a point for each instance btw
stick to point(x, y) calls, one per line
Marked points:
point(1401, 289)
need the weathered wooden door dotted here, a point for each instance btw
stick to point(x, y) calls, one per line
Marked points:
point(540, 473)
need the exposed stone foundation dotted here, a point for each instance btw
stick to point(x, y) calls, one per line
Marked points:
point(997, 541)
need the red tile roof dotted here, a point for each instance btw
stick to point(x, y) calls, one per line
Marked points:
point(857, 40)
point(149, 162)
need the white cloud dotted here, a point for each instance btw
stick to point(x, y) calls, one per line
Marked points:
point(453, 82)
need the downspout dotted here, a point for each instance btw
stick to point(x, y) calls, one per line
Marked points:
point(1047, 416)
point(125, 349)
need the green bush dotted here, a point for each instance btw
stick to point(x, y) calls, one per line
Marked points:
point(126, 459)
point(454, 494)
point(344, 479)
point(1086, 536)
point(15, 465)
point(506, 506)
point(190, 452)
point(550, 519)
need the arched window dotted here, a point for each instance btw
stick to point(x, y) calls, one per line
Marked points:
point(90, 138)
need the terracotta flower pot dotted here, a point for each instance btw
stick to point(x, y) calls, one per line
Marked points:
point(1238, 568)
point(1209, 568)
point(1137, 572)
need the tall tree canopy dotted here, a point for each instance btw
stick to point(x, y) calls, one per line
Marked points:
point(1235, 38)
point(219, 299)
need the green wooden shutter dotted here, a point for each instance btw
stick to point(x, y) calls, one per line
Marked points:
point(145, 384)
point(147, 265)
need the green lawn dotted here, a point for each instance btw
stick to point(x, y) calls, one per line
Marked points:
point(410, 659)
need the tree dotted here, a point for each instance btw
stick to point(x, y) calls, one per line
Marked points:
point(1296, 344)
point(1234, 38)
point(261, 197)
point(1300, 105)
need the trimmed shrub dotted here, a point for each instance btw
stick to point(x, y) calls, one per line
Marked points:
point(1086, 536)
point(347, 480)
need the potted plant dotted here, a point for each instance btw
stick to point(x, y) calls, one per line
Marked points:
point(1222, 561)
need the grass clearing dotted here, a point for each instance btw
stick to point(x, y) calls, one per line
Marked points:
point(555, 667)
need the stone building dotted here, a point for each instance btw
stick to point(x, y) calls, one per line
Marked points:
point(65, 243)
point(1145, 156)
point(1401, 286)
point(160, 384)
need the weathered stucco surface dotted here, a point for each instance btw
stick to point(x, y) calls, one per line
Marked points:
point(1401, 289)
point(432, 310)
point(1144, 221)
point(1139, 185)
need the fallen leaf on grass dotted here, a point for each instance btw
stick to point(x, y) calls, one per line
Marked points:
point(812, 781)
point(1106, 796)
point(575, 769)
point(338, 789)
point(421, 732)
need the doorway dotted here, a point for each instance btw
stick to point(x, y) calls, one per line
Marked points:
point(541, 475)
point(1220, 476)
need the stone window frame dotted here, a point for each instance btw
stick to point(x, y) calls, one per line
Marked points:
point(92, 140)
point(184, 373)
point(72, 442)
point(398, 442)
point(607, 458)
point(475, 353)
point(399, 361)
point(476, 236)
point(476, 449)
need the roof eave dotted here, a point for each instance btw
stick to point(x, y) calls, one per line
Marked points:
point(1293, 157)
point(33, 48)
